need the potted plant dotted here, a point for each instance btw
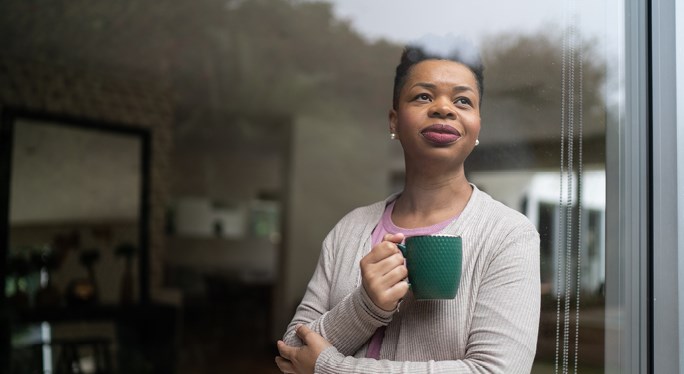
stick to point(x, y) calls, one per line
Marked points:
point(83, 291)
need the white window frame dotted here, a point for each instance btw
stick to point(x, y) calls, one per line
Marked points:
point(645, 271)
point(627, 203)
point(666, 270)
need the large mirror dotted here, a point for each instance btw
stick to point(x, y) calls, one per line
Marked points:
point(76, 213)
point(74, 236)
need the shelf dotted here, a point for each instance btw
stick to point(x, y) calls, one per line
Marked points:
point(247, 258)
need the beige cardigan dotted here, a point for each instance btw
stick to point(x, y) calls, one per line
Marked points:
point(490, 327)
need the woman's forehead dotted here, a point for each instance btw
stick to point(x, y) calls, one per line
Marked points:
point(441, 72)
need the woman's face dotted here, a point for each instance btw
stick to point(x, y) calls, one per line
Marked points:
point(438, 113)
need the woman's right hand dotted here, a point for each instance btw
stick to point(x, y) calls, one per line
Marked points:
point(383, 273)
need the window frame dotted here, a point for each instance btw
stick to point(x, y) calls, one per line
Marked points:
point(666, 270)
point(643, 216)
point(628, 264)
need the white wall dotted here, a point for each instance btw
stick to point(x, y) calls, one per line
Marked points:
point(336, 166)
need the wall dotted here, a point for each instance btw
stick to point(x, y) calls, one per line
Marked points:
point(337, 165)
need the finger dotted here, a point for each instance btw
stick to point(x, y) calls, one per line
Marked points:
point(398, 291)
point(382, 283)
point(394, 238)
point(379, 252)
point(285, 350)
point(284, 365)
point(387, 265)
point(388, 297)
point(396, 275)
point(373, 275)
point(304, 333)
point(383, 250)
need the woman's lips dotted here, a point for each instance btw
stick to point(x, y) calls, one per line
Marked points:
point(441, 134)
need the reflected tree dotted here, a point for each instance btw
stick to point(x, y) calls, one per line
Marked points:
point(523, 91)
point(283, 57)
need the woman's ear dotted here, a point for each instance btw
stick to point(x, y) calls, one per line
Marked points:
point(392, 121)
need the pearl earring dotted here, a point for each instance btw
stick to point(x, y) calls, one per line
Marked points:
point(477, 142)
point(393, 136)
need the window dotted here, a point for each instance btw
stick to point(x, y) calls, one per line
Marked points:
point(280, 128)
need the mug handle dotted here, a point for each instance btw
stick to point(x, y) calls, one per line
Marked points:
point(402, 248)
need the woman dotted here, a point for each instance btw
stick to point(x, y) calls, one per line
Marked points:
point(358, 315)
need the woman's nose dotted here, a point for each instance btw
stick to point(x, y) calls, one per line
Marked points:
point(442, 109)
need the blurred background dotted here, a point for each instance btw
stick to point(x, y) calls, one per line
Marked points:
point(170, 169)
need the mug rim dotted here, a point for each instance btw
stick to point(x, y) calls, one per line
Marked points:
point(435, 235)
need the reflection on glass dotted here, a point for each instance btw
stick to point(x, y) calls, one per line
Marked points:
point(74, 231)
point(242, 69)
point(74, 209)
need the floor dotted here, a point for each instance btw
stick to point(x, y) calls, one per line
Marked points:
point(228, 333)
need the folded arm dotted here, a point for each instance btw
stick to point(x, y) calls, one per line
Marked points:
point(503, 333)
point(350, 323)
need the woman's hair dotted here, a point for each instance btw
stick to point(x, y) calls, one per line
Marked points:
point(413, 54)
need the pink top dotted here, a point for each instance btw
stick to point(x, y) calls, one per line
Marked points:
point(386, 226)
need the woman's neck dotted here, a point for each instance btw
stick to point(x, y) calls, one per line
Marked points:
point(427, 200)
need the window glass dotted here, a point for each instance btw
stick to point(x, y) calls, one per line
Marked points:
point(280, 128)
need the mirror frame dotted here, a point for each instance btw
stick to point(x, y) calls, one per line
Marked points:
point(8, 119)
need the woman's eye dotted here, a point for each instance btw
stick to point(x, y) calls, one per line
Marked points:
point(462, 101)
point(423, 97)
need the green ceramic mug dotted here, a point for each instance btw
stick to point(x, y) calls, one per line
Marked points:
point(434, 265)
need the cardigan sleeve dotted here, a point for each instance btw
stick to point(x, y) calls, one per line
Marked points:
point(347, 325)
point(503, 333)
